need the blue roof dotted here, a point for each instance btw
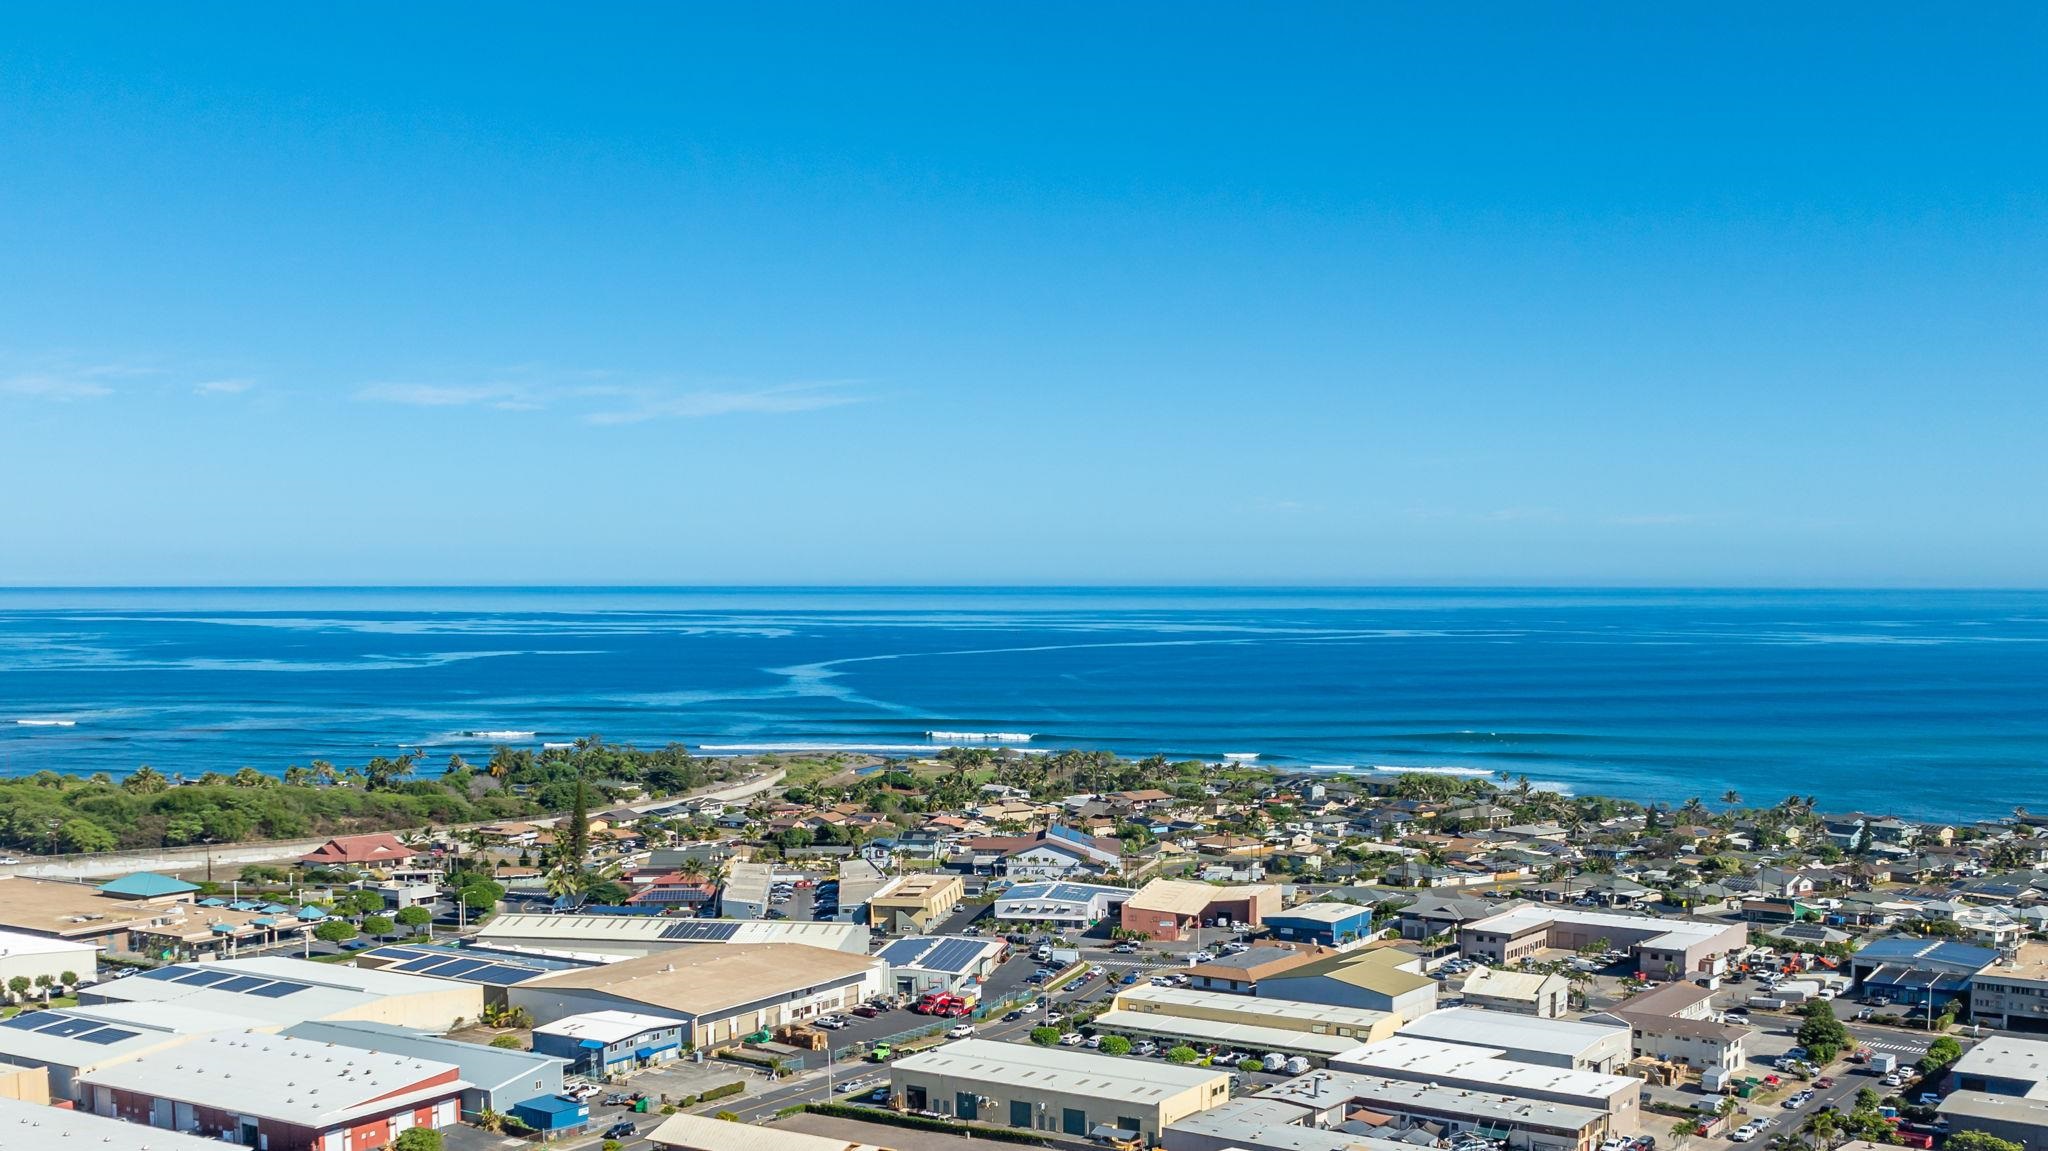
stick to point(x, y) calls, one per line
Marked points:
point(147, 885)
point(310, 913)
point(552, 1105)
point(1910, 950)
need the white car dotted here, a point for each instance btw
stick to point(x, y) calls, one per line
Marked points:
point(1093, 1041)
point(8, 859)
point(1202, 957)
point(1030, 1008)
point(1071, 1039)
point(584, 1092)
point(960, 1031)
point(1743, 1134)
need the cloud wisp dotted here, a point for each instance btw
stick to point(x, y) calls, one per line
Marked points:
point(614, 404)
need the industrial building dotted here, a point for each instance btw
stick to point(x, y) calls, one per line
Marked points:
point(1486, 1070)
point(1239, 974)
point(602, 1042)
point(35, 1126)
point(2012, 994)
point(703, 1133)
point(1518, 992)
point(1574, 1046)
point(1660, 948)
point(493, 971)
point(58, 909)
point(606, 937)
point(1326, 924)
point(1912, 971)
point(1380, 1113)
point(1257, 1026)
point(744, 894)
point(914, 904)
point(1170, 910)
point(278, 1093)
point(280, 992)
point(723, 993)
point(28, 956)
point(1384, 979)
point(1071, 906)
point(955, 964)
point(72, 1041)
point(1053, 1088)
point(499, 1079)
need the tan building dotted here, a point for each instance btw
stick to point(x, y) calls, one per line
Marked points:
point(1174, 909)
point(1382, 979)
point(28, 1084)
point(703, 1133)
point(1316, 1031)
point(1660, 948)
point(1240, 973)
point(59, 910)
point(1054, 1088)
point(915, 904)
point(723, 993)
point(2013, 992)
point(1521, 992)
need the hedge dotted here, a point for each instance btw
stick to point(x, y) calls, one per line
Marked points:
point(920, 1123)
point(724, 1092)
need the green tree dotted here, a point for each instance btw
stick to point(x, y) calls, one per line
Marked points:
point(1250, 1066)
point(1182, 1054)
point(376, 925)
point(1940, 1053)
point(335, 931)
point(83, 836)
point(1115, 1045)
point(1979, 1141)
point(145, 780)
point(418, 1139)
point(1045, 1036)
point(20, 985)
point(415, 917)
point(68, 979)
point(1821, 1033)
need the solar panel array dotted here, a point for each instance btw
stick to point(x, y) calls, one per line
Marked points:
point(61, 1026)
point(234, 981)
point(444, 964)
point(701, 930)
point(904, 952)
point(954, 955)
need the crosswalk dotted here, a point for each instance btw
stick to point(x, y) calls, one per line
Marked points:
point(1916, 1050)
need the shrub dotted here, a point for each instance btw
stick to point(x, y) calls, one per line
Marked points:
point(728, 1116)
point(1182, 1054)
point(1250, 1065)
point(1045, 1036)
point(1115, 1045)
point(508, 1042)
point(725, 1092)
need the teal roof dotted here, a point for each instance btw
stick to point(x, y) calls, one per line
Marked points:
point(146, 885)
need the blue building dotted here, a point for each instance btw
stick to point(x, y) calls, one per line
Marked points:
point(1913, 971)
point(1329, 924)
point(553, 1114)
point(600, 1042)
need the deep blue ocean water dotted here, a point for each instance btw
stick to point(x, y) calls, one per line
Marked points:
point(1923, 703)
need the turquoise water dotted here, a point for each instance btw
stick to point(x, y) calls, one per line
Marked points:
point(1924, 703)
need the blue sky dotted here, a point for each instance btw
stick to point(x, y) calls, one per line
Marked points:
point(1290, 294)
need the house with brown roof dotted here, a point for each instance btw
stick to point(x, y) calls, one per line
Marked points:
point(380, 851)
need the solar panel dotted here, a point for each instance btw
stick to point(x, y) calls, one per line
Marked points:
point(700, 930)
point(457, 969)
point(953, 955)
point(206, 978)
point(28, 1022)
point(278, 990)
point(904, 952)
point(107, 1035)
point(242, 983)
point(421, 964)
point(499, 974)
point(163, 973)
point(69, 1026)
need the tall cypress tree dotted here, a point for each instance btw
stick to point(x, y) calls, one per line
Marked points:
point(579, 826)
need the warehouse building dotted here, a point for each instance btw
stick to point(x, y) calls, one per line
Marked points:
point(1239, 974)
point(1518, 992)
point(499, 1078)
point(913, 904)
point(955, 964)
point(723, 993)
point(1384, 979)
point(745, 892)
point(1224, 1021)
point(56, 909)
point(279, 1093)
point(1070, 906)
point(493, 971)
point(1486, 1070)
point(1053, 1088)
point(28, 956)
point(2022, 1121)
point(280, 992)
point(1170, 910)
point(703, 1133)
point(74, 1041)
point(1320, 1111)
point(1564, 1043)
point(1325, 924)
point(606, 1041)
point(35, 1127)
point(1660, 948)
point(607, 937)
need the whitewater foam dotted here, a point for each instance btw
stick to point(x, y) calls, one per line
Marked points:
point(46, 722)
point(980, 736)
point(500, 735)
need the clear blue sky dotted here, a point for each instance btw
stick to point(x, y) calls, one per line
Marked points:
point(1285, 293)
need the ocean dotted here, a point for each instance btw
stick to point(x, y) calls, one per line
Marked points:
point(1926, 704)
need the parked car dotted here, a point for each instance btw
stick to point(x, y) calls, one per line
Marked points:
point(867, 1011)
point(960, 1031)
point(1072, 1039)
point(623, 1129)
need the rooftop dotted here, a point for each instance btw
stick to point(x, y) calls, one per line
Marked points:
point(88, 1036)
point(641, 929)
point(1254, 963)
point(1166, 1000)
point(1918, 952)
point(483, 1065)
point(276, 1077)
point(1186, 897)
point(953, 955)
point(1223, 1033)
point(2000, 1057)
point(273, 989)
point(1670, 999)
point(1531, 916)
point(702, 1133)
point(607, 1026)
point(1455, 1061)
point(146, 885)
point(55, 907)
point(1380, 969)
point(31, 1125)
point(700, 981)
point(1500, 984)
point(1268, 1124)
point(1060, 1069)
point(1477, 1027)
point(1321, 1089)
point(1063, 892)
point(1321, 912)
point(22, 943)
point(915, 888)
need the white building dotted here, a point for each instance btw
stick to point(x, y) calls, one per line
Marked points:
point(29, 956)
point(1070, 905)
point(1479, 1069)
point(1565, 1043)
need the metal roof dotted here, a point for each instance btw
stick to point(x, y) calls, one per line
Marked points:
point(952, 955)
point(1059, 1070)
point(290, 1080)
point(491, 1068)
point(33, 1125)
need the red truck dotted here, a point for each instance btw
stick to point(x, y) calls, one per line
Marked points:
point(943, 1004)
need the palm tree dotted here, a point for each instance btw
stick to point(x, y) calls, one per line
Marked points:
point(1731, 797)
point(1824, 1126)
point(1693, 809)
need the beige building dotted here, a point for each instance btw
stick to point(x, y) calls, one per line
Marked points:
point(59, 910)
point(1176, 909)
point(1661, 948)
point(915, 904)
point(1256, 1026)
point(1483, 1070)
point(1520, 992)
point(1054, 1088)
point(703, 1133)
point(1382, 979)
point(2013, 993)
point(27, 1084)
point(723, 993)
